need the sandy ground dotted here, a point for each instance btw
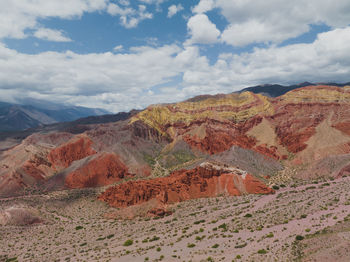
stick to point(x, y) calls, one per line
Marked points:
point(211, 229)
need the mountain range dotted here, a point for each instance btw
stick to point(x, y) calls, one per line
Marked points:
point(299, 132)
point(16, 117)
point(257, 175)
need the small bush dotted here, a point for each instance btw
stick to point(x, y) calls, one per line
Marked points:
point(215, 246)
point(78, 227)
point(262, 251)
point(190, 245)
point(155, 238)
point(299, 237)
point(199, 221)
point(248, 215)
point(275, 187)
point(241, 245)
point(223, 226)
point(128, 242)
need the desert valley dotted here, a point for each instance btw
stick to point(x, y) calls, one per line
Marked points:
point(245, 176)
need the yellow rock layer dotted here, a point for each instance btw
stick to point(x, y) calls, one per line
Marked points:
point(158, 116)
point(322, 94)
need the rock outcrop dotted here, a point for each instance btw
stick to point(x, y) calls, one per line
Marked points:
point(104, 169)
point(206, 180)
point(19, 216)
point(76, 149)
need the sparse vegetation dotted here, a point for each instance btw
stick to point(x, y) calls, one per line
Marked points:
point(128, 242)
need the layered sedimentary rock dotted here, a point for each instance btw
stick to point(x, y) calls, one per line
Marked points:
point(105, 169)
point(206, 180)
point(306, 127)
point(65, 154)
point(276, 127)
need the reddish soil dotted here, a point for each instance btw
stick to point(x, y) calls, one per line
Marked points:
point(344, 127)
point(103, 170)
point(65, 154)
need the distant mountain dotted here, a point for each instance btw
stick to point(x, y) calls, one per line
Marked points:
point(16, 117)
point(274, 90)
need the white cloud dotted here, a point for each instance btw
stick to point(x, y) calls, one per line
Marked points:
point(81, 79)
point(273, 21)
point(18, 15)
point(157, 2)
point(117, 81)
point(118, 48)
point(51, 35)
point(124, 2)
point(129, 17)
point(174, 9)
point(202, 30)
point(326, 59)
point(204, 6)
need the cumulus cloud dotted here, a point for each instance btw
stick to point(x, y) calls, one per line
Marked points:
point(202, 30)
point(80, 79)
point(51, 35)
point(326, 59)
point(174, 9)
point(204, 6)
point(118, 48)
point(117, 81)
point(273, 21)
point(129, 17)
point(18, 15)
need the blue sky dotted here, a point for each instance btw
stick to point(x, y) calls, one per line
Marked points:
point(123, 54)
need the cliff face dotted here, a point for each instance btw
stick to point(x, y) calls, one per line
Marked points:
point(63, 155)
point(206, 180)
point(103, 170)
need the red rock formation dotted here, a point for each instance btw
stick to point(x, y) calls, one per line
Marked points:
point(207, 180)
point(65, 154)
point(344, 127)
point(103, 170)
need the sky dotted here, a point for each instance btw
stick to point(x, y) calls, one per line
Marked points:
point(127, 54)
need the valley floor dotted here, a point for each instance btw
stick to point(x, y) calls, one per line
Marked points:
point(308, 222)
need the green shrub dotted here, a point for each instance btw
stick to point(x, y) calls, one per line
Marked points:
point(78, 227)
point(299, 237)
point(155, 238)
point(262, 251)
point(241, 245)
point(270, 235)
point(128, 242)
point(223, 226)
point(215, 246)
point(190, 245)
